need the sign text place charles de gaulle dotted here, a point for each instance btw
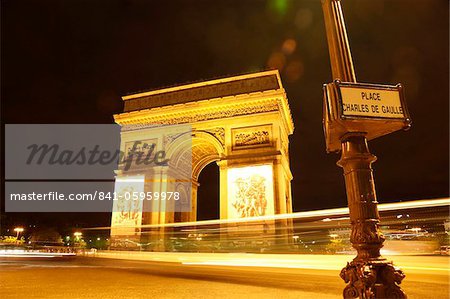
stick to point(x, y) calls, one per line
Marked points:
point(373, 109)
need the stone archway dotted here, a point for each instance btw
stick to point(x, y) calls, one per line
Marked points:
point(203, 148)
point(241, 123)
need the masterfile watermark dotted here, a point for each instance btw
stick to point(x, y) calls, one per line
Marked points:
point(120, 196)
point(97, 195)
point(54, 154)
point(88, 151)
point(98, 168)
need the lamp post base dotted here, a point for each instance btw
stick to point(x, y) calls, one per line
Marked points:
point(372, 279)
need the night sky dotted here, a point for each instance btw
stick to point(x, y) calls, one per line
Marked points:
point(71, 61)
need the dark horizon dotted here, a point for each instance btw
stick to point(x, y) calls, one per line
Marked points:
point(70, 62)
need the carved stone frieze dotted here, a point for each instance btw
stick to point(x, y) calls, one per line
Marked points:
point(197, 115)
point(252, 136)
point(139, 147)
point(219, 133)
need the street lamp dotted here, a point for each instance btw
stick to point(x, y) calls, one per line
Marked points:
point(77, 235)
point(18, 230)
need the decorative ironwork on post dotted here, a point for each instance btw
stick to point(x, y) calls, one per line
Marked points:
point(369, 275)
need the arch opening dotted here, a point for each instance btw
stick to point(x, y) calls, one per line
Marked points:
point(208, 197)
point(203, 150)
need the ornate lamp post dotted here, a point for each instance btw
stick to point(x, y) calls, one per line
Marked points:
point(353, 113)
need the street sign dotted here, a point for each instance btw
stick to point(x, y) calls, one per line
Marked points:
point(373, 109)
point(371, 101)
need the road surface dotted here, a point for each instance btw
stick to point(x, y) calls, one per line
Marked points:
point(83, 277)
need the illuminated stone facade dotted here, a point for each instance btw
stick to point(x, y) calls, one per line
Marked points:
point(240, 123)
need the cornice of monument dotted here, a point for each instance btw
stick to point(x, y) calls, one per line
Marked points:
point(215, 109)
point(191, 111)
